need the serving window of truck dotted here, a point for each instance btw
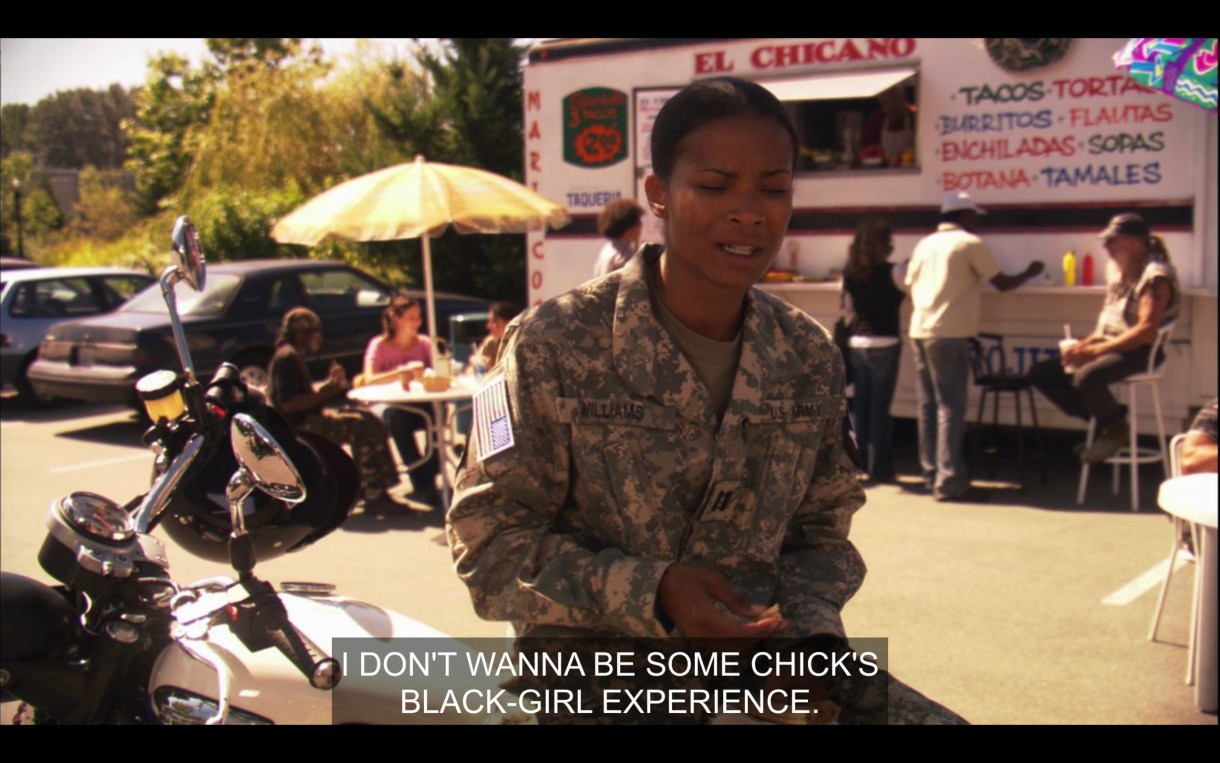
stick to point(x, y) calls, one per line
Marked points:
point(1052, 140)
point(855, 120)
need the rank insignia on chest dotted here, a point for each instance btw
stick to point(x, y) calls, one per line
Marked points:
point(493, 424)
point(721, 499)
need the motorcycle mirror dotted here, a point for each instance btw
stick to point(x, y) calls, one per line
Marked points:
point(188, 253)
point(264, 461)
point(188, 266)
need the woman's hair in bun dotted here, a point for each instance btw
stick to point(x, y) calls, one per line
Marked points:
point(705, 101)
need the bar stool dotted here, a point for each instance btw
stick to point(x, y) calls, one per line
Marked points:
point(994, 378)
point(1132, 455)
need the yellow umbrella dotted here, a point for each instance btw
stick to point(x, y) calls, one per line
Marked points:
point(419, 199)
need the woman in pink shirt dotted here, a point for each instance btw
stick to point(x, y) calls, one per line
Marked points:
point(386, 358)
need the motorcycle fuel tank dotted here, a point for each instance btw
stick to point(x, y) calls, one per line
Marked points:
point(38, 621)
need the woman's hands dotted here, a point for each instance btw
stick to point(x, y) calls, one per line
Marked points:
point(705, 606)
point(709, 611)
point(1080, 353)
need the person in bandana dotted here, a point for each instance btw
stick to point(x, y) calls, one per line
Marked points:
point(1143, 298)
point(311, 407)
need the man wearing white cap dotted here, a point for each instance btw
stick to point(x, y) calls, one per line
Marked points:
point(945, 277)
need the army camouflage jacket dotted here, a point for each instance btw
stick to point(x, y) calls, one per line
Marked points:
point(616, 467)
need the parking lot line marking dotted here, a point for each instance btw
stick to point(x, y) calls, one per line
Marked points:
point(1142, 583)
point(103, 462)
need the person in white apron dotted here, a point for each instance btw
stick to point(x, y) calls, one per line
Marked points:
point(892, 127)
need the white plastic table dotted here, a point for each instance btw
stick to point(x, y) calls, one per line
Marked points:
point(1193, 498)
point(437, 409)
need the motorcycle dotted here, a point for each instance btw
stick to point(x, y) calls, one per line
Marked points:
point(120, 641)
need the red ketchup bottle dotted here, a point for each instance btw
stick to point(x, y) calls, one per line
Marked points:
point(1087, 276)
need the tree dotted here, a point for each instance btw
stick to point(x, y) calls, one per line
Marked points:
point(232, 53)
point(267, 129)
point(174, 99)
point(477, 81)
point(17, 170)
point(103, 211)
point(174, 132)
point(14, 123)
point(466, 110)
point(469, 111)
point(411, 117)
point(352, 95)
point(40, 212)
point(235, 223)
point(276, 134)
point(17, 166)
point(74, 128)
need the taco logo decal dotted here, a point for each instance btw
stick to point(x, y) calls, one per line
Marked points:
point(595, 127)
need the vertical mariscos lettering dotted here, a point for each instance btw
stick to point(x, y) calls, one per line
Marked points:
point(533, 103)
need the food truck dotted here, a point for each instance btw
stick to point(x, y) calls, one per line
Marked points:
point(1044, 133)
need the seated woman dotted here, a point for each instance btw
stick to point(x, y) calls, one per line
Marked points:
point(499, 314)
point(1143, 298)
point(386, 358)
point(304, 404)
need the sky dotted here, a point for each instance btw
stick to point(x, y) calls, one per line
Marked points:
point(32, 68)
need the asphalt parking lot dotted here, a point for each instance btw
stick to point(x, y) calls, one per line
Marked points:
point(1026, 609)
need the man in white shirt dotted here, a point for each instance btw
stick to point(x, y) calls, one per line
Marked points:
point(945, 278)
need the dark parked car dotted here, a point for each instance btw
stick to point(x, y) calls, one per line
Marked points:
point(33, 299)
point(235, 318)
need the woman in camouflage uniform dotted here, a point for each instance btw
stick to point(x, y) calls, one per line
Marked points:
point(658, 454)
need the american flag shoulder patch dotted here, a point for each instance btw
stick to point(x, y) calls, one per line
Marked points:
point(493, 424)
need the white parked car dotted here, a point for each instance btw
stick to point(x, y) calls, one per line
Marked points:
point(34, 299)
